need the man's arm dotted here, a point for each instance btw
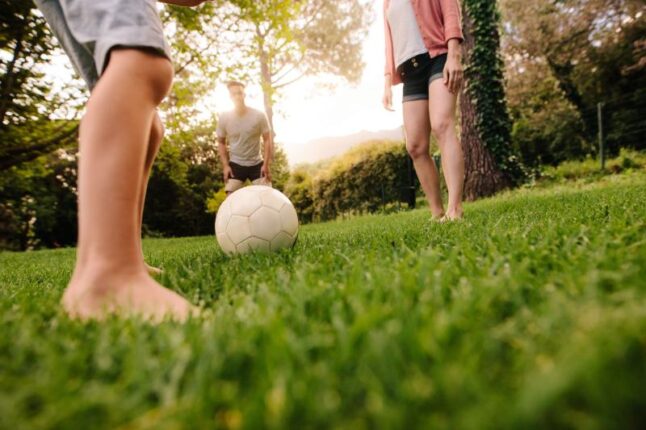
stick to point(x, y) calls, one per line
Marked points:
point(268, 155)
point(268, 142)
point(224, 158)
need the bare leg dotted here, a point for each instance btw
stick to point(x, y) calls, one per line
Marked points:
point(154, 142)
point(442, 114)
point(418, 130)
point(110, 276)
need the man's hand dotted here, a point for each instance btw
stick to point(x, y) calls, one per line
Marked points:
point(265, 172)
point(227, 173)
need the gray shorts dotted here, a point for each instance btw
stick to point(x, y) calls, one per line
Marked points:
point(89, 29)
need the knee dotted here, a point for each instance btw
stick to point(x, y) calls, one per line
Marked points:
point(156, 132)
point(154, 141)
point(442, 128)
point(150, 71)
point(417, 150)
point(160, 79)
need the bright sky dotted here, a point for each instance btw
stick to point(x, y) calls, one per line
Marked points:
point(306, 111)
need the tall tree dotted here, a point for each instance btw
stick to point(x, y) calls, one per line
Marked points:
point(194, 36)
point(490, 162)
point(26, 100)
point(38, 130)
point(591, 49)
point(280, 41)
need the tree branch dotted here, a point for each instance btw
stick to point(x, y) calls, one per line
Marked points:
point(17, 155)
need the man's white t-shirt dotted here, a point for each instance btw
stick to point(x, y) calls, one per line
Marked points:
point(243, 133)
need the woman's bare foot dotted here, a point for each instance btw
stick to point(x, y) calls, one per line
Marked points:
point(98, 294)
point(453, 215)
point(153, 271)
point(437, 214)
point(438, 218)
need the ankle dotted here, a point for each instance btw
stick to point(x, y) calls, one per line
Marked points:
point(101, 270)
point(436, 211)
point(437, 215)
point(454, 209)
point(454, 213)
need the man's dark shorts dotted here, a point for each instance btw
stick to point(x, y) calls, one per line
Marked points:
point(244, 173)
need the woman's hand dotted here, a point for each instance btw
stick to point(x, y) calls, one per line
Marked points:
point(387, 99)
point(453, 71)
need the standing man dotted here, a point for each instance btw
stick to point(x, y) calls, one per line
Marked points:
point(242, 129)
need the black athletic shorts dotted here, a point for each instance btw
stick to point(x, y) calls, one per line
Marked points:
point(242, 173)
point(418, 72)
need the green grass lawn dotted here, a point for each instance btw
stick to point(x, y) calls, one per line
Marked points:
point(531, 313)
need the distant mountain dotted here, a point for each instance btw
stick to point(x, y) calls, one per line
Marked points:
point(328, 147)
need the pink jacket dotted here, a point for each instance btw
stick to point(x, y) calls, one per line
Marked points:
point(438, 21)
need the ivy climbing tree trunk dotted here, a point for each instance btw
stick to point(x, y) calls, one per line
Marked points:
point(490, 162)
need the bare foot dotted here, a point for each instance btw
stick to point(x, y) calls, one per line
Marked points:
point(452, 216)
point(153, 271)
point(96, 295)
point(437, 215)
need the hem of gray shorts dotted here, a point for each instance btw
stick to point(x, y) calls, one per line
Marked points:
point(434, 77)
point(414, 97)
point(142, 41)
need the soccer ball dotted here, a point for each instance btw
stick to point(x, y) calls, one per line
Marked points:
point(256, 218)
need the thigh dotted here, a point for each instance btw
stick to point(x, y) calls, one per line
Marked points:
point(233, 185)
point(416, 122)
point(441, 103)
point(139, 71)
point(255, 172)
point(239, 172)
point(261, 181)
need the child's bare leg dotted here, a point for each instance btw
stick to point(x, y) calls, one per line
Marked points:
point(110, 275)
point(154, 142)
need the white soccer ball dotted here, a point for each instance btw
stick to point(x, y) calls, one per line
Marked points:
point(256, 218)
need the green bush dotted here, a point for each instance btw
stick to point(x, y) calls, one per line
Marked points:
point(38, 203)
point(590, 168)
point(366, 179)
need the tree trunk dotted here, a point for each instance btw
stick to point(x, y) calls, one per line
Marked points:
point(482, 176)
point(563, 74)
point(6, 84)
point(265, 82)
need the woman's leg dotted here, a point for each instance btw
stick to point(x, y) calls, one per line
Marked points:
point(442, 113)
point(418, 128)
point(110, 276)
